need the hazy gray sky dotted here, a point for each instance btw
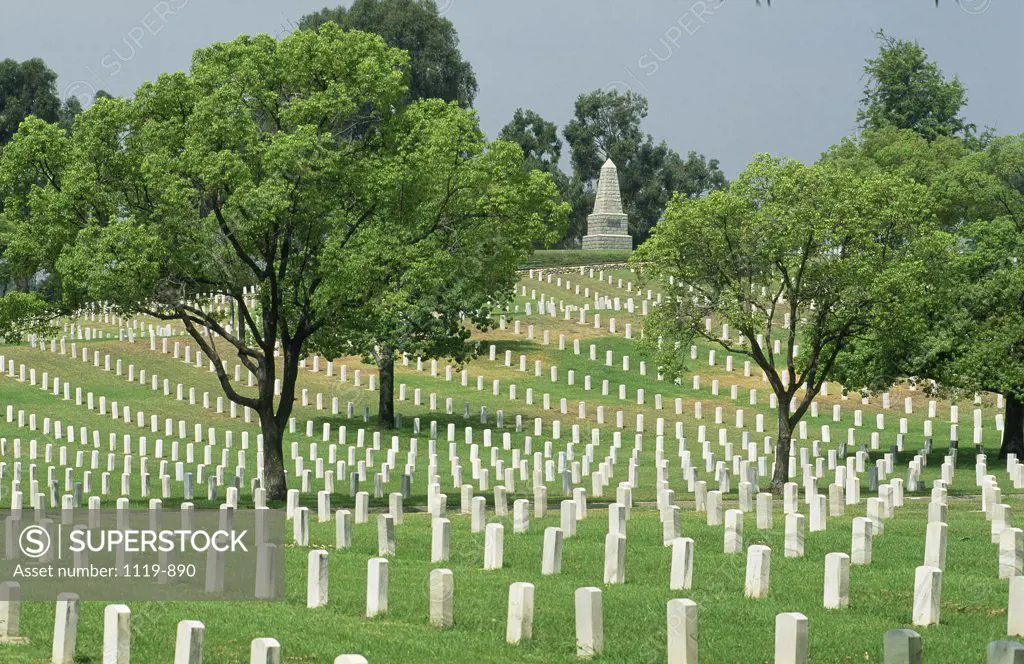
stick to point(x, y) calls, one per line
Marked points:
point(723, 77)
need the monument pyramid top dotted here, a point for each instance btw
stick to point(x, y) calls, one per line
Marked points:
point(609, 197)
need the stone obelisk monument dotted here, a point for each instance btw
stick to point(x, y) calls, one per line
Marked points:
point(608, 226)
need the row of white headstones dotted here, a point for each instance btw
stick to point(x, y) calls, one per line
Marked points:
point(711, 511)
point(220, 305)
point(117, 634)
point(810, 487)
point(791, 637)
point(601, 477)
point(791, 629)
point(802, 431)
point(721, 475)
point(880, 505)
point(817, 512)
point(89, 400)
point(602, 302)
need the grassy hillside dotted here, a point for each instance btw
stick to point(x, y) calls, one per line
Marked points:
point(570, 257)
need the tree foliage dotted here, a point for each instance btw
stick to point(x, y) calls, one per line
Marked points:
point(494, 211)
point(437, 68)
point(907, 154)
point(811, 257)
point(898, 348)
point(607, 125)
point(906, 90)
point(27, 89)
point(968, 331)
point(977, 341)
point(542, 149)
point(537, 137)
point(285, 177)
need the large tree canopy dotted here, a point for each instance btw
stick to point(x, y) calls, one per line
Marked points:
point(969, 322)
point(906, 90)
point(606, 124)
point(890, 353)
point(976, 342)
point(806, 257)
point(493, 209)
point(437, 68)
point(904, 152)
point(272, 176)
point(26, 88)
point(29, 88)
point(542, 150)
point(537, 137)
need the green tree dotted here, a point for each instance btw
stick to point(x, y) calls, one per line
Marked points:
point(658, 173)
point(905, 153)
point(257, 178)
point(580, 195)
point(542, 149)
point(906, 90)
point(493, 209)
point(888, 354)
point(694, 176)
point(36, 219)
point(26, 88)
point(69, 110)
point(969, 335)
point(809, 257)
point(537, 138)
point(977, 342)
point(607, 125)
point(438, 70)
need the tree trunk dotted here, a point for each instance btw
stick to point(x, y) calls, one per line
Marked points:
point(781, 474)
point(273, 455)
point(274, 478)
point(386, 404)
point(1013, 428)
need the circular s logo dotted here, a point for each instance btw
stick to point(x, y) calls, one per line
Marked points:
point(82, 90)
point(34, 542)
point(975, 6)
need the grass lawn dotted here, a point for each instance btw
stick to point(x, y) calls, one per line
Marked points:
point(732, 628)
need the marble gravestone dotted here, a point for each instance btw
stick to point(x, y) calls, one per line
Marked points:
point(608, 226)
